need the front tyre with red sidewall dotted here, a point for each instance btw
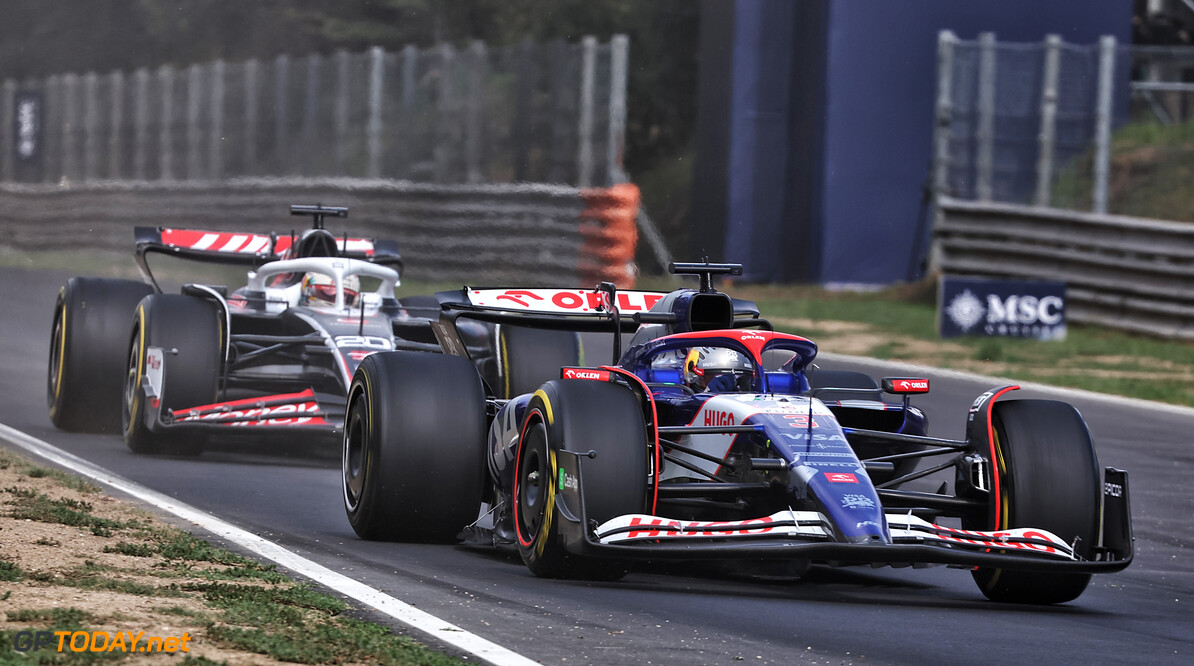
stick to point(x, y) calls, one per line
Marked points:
point(577, 416)
point(1050, 479)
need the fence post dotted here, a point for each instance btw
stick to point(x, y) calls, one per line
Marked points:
point(90, 126)
point(521, 133)
point(1048, 133)
point(8, 130)
point(446, 143)
point(474, 127)
point(194, 135)
point(377, 65)
point(584, 148)
point(561, 145)
point(340, 112)
point(215, 140)
point(404, 129)
point(140, 122)
point(70, 127)
point(281, 114)
point(985, 159)
point(619, 54)
point(252, 68)
point(116, 86)
point(166, 78)
point(53, 131)
point(944, 111)
point(943, 115)
point(311, 154)
point(1102, 169)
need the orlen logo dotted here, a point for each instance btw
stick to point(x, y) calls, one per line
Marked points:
point(906, 385)
point(841, 477)
point(584, 373)
point(562, 300)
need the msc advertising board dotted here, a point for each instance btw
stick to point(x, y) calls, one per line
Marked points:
point(1001, 308)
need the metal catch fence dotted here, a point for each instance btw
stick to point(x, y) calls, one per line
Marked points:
point(551, 112)
point(1031, 123)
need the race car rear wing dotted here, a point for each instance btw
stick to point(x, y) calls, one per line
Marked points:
point(255, 249)
point(602, 309)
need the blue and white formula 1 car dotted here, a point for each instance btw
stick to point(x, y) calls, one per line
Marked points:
point(713, 437)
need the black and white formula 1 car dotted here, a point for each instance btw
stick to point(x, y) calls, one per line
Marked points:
point(714, 438)
point(277, 355)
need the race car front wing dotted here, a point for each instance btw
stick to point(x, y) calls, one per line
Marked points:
point(914, 541)
point(287, 410)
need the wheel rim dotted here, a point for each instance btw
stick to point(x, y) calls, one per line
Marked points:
point(353, 462)
point(56, 358)
point(533, 477)
point(130, 385)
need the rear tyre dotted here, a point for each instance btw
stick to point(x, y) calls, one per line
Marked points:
point(577, 415)
point(1049, 478)
point(528, 357)
point(189, 330)
point(413, 462)
point(87, 352)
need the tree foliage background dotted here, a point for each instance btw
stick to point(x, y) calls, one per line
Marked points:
point(39, 38)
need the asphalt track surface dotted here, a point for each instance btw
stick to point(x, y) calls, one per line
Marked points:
point(683, 616)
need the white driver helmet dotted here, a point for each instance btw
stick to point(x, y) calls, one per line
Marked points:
point(320, 288)
point(704, 365)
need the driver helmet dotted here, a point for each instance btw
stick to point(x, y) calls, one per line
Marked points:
point(718, 369)
point(319, 288)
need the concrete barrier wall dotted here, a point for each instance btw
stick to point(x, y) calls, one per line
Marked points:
point(525, 234)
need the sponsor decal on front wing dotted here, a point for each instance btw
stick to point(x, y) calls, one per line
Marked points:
point(281, 410)
point(1027, 540)
point(639, 527)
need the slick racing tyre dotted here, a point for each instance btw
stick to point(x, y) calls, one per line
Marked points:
point(413, 462)
point(87, 352)
point(577, 416)
point(527, 357)
point(189, 331)
point(1049, 478)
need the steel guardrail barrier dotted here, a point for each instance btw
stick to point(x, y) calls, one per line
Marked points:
point(1126, 273)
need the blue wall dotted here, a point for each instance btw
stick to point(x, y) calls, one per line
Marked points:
point(830, 123)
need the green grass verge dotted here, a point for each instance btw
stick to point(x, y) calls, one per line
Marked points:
point(28, 504)
point(248, 607)
point(71, 481)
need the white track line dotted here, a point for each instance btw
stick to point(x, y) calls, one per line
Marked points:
point(401, 611)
